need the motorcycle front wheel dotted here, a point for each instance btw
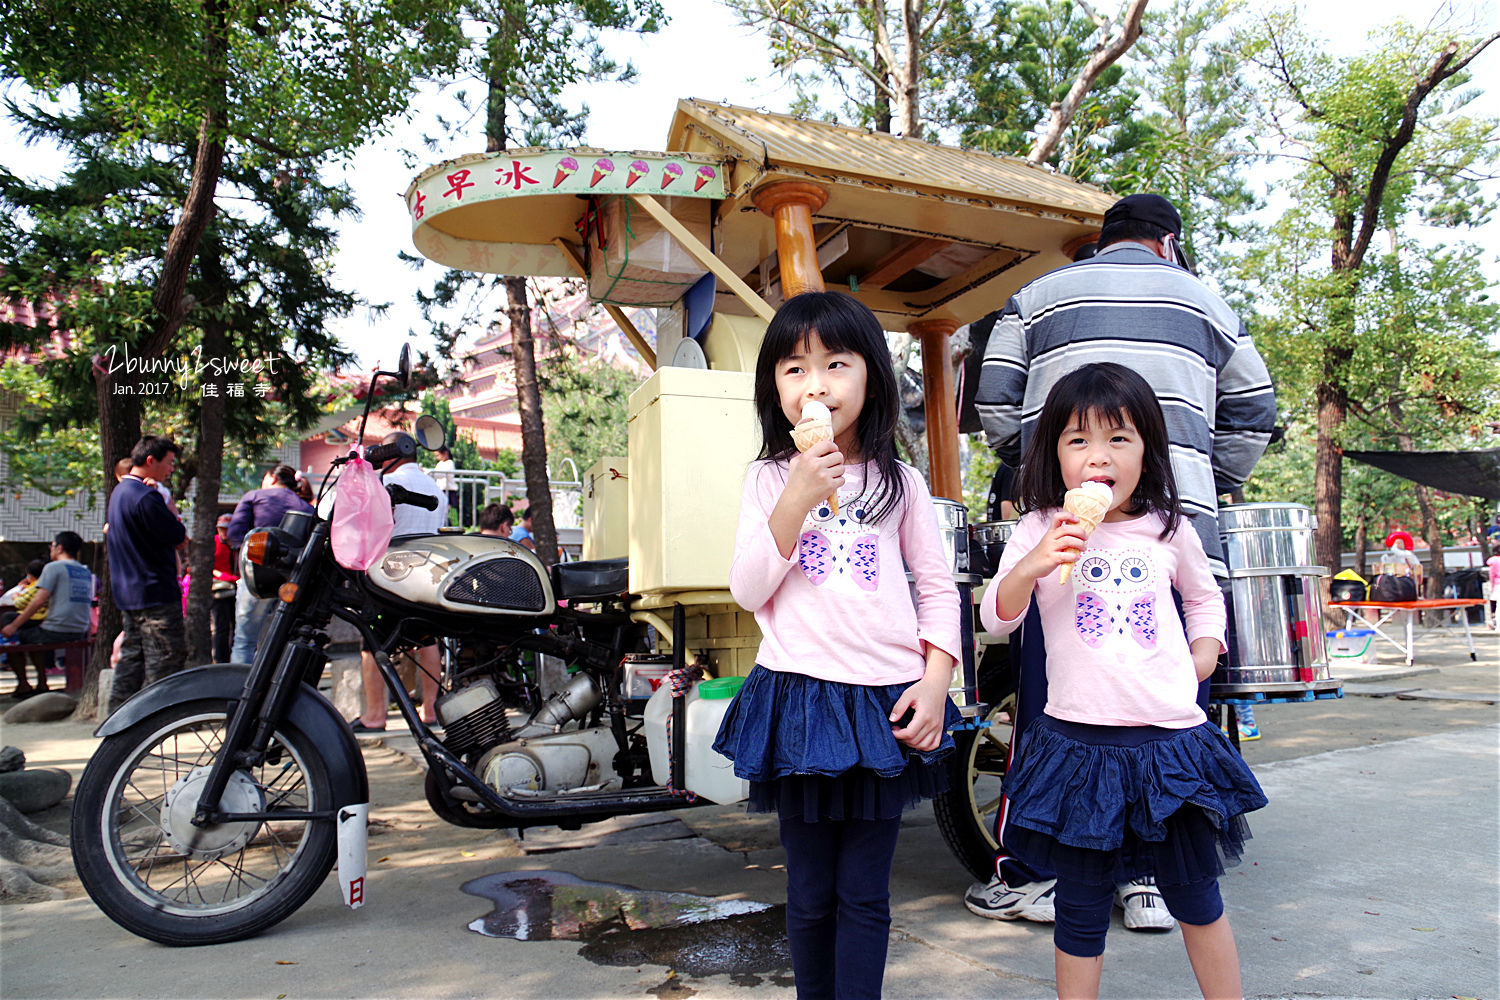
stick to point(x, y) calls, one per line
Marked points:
point(155, 874)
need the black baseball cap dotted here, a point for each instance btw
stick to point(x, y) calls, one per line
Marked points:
point(1152, 208)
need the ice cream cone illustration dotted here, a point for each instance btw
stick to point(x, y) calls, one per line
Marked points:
point(816, 425)
point(566, 167)
point(705, 174)
point(670, 173)
point(638, 170)
point(602, 168)
point(1090, 502)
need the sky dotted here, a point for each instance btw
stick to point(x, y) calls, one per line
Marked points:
point(701, 53)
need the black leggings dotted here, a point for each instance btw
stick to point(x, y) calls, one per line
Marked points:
point(1083, 911)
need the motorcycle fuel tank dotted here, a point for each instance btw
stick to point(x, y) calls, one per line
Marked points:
point(467, 574)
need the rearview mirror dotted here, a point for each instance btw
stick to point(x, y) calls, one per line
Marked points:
point(429, 432)
point(403, 366)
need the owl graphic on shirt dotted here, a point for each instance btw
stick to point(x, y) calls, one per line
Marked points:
point(840, 551)
point(1114, 594)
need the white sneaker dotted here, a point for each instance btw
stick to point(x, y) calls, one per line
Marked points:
point(1144, 908)
point(998, 901)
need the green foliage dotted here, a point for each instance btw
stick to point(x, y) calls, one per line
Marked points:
point(1192, 137)
point(302, 78)
point(1009, 62)
point(586, 409)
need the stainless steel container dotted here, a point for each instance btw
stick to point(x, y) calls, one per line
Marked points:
point(953, 530)
point(1278, 607)
point(986, 544)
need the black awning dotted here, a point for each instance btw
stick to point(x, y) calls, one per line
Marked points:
point(1468, 473)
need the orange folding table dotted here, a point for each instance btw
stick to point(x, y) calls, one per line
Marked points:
point(1374, 614)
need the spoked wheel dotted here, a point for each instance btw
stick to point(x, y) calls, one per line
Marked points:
point(966, 812)
point(155, 874)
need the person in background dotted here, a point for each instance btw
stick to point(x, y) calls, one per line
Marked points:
point(522, 531)
point(443, 475)
point(12, 602)
point(145, 542)
point(65, 589)
point(1134, 302)
point(259, 508)
point(404, 471)
point(304, 488)
point(496, 520)
point(226, 576)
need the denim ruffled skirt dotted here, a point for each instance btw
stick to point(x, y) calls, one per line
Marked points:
point(1110, 803)
point(823, 750)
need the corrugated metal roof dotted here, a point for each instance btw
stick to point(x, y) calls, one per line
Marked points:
point(781, 141)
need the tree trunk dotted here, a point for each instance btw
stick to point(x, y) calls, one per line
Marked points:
point(1333, 406)
point(210, 468)
point(119, 430)
point(523, 351)
point(168, 300)
point(1361, 543)
point(533, 429)
point(1105, 54)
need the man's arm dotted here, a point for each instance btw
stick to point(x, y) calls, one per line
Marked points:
point(1002, 386)
point(1246, 415)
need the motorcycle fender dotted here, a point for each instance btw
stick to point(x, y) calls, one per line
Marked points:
point(311, 713)
point(354, 826)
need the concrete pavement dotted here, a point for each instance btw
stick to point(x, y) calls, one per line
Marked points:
point(1373, 873)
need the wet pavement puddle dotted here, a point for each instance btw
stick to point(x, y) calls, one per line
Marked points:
point(622, 925)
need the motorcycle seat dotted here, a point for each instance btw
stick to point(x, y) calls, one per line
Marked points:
point(592, 580)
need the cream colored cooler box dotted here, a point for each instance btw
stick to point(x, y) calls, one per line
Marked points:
point(606, 509)
point(692, 433)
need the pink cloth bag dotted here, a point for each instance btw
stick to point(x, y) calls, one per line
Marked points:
point(362, 519)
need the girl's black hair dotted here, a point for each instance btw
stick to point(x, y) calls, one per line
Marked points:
point(285, 475)
point(842, 323)
point(1101, 392)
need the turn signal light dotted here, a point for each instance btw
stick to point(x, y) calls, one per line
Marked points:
point(287, 592)
point(258, 547)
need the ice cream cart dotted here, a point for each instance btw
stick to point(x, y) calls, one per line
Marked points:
point(743, 209)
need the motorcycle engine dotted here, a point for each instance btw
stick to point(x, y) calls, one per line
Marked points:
point(538, 758)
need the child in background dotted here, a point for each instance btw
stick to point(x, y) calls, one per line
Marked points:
point(838, 725)
point(1123, 775)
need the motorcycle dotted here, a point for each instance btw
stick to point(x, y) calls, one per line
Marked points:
point(220, 798)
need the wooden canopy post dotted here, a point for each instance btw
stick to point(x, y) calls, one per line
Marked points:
point(941, 405)
point(792, 204)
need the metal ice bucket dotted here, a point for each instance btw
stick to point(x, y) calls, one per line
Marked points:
point(1278, 606)
point(986, 544)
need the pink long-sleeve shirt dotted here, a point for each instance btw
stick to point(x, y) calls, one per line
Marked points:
point(1117, 651)
point(840, 608)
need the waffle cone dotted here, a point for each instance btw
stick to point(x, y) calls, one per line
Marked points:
point(809, 432)
point(1090, 506)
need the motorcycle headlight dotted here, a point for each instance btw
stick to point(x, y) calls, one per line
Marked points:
point(263, 557)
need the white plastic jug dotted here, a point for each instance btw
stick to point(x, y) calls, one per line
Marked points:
point(707, 773)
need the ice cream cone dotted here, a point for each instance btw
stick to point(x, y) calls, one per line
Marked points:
point(670, 173)
point(565, 169)
point(705, 174)
point(816, 425)
point(1090, 502)
point(602, 169)
point(638, 169)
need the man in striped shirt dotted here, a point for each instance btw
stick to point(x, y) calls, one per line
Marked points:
point(1135, 303)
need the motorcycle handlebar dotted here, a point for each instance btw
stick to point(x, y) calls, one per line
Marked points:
point(400, 494)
